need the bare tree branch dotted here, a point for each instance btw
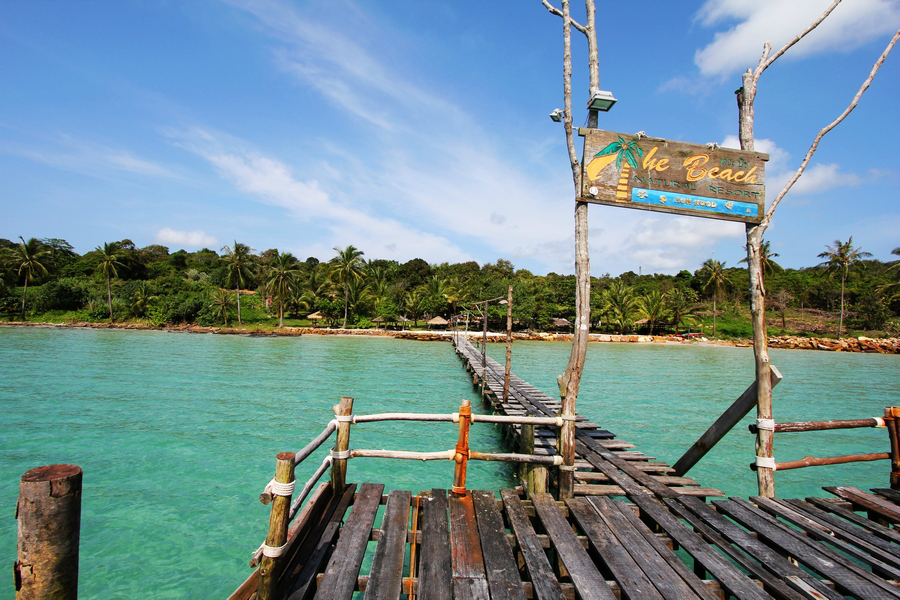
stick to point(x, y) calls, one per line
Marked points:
point(826, 129)
point(559, 13)
point(764, 62)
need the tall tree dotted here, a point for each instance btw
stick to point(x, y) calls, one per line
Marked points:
point(746, 98)
point(282, 275)
point(221, 303)
point(653, 307)
point(841, 258)
point(713, 272)
point(681, 303)
point(239, 260)
point(28, 256)
point(107, 267)
point(347, 265)
point(766, 255)
point(570, 380)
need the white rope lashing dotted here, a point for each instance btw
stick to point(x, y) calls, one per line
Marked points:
point(765, 424)
point(342, 455)
point(273, 551)
point(765, 462)
point(280, 489)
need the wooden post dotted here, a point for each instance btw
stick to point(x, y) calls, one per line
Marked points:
point(339, 465)
point(278, 528)
point(484, 348)
point(508, 345)
point(49, 515)
point(534, 477)
point(890, 418)
point(462, 449)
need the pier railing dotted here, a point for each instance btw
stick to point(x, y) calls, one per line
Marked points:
point(889, 421)
point(286, 505)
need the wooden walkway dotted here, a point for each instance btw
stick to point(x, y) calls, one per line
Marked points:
point(630, 532)
point(605, 466)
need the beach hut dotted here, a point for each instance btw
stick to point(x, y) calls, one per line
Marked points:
point(316, 316)
point(438, 320)
point(378, 321)
point(559, 323)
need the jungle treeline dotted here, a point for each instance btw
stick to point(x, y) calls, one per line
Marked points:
point(44, 279)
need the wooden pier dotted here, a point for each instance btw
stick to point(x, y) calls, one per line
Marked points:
point(631, 531)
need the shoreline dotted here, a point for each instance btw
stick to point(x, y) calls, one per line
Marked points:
point(860, 344)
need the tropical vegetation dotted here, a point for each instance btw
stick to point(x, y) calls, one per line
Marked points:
point(45, 280)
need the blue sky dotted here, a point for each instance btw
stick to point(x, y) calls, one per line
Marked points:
point(419, 128)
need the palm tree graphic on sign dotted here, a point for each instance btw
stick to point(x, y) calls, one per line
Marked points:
point(621, 152)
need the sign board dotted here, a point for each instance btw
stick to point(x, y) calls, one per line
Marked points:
point(660, 175)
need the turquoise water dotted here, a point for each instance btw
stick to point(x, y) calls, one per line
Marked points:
point(177, 433)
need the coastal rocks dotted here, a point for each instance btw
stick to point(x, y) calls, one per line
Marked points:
point(860, 344)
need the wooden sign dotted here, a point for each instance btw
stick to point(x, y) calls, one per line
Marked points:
point(660, 175)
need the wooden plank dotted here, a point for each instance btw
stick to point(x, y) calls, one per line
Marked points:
point(888, 494)
point(434, 557)
point(848, 578)
point(732, 579)
point(386, 574)
point(584, 574)
point(869, 502)
point(654, 566)
point(467, 561)
point(499, 562)
point(543, 580)
point(339, 580)
point(885, 564)
point(299, 583)
point(678, 566)
point(702, 515)
point(877, 529)
point(630, 577)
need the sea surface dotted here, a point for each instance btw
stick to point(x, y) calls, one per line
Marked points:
point(177, 433)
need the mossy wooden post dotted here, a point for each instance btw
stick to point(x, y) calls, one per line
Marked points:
point(339, 466)
point(891, 414)
point(534, 476)
point(49, 516)
point(278, 528)
point(462, 449)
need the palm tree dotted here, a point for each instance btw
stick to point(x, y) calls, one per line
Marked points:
point(842, 257)
point(347, 265)
point(240, 262)
point(107, 267)
point(682, 303)
point(619, 304)
point(653, 308)
point(282, 280)
point(140, 300)
point(221, 303)
point(413, 303)
point(714, 273)
point(768, 265)
point(28, 255)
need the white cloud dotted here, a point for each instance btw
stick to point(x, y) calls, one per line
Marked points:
point(776, 21)
point(821, 178)
point(187, 239)
point(88, 158)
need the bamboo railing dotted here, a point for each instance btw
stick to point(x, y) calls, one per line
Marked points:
point(285, 506)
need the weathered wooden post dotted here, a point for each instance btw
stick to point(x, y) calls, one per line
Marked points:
point(890, 419)
point(342, 410)
point(508, 345)
point(462, 449)
point(282, 489)
point(49, 516)
point(534, 476)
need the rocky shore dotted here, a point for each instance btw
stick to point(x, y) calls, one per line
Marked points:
point(860, 344)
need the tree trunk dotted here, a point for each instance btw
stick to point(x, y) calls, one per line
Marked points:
point(109, 298)
point(24, 295)
point(280, 314)
point(346, 304)
point(841, 322)
point(764, 438)
point(715, 311)
point(237, 291)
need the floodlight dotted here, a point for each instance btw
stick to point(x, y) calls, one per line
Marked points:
point(602, 101)
point(557, 115)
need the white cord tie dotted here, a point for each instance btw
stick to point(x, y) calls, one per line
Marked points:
point(765, 462)
point(274, 551)
point(879, 422)
point(281, 489)
point(455, 417)
point(566, 417)
point(342, 455)
point(765, 424)
point(345, 418)
point(566, 467)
